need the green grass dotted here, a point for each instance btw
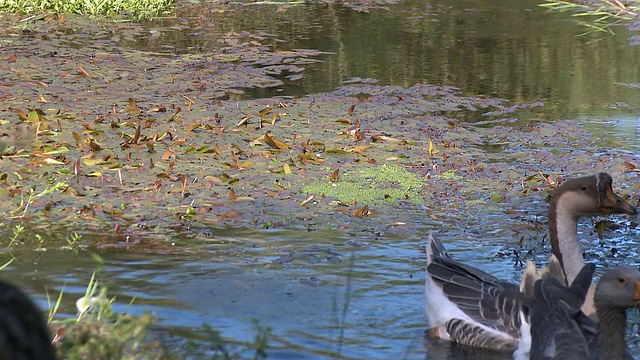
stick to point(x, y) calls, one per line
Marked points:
point(98, 332)
point(135, 9)
point(601, 13)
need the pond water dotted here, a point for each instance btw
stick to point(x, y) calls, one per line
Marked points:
point(357, 293)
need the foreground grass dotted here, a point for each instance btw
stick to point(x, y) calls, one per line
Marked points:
point(135, 9)
point(100, 333)
point(602, 13)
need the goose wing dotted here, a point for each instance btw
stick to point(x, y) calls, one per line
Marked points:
point(484, 298)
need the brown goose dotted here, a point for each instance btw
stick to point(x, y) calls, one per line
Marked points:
point(560, 330)
point(24, 334)
point(471, 307)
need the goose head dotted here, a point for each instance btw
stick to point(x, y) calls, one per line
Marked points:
point(619, 289)
point(589, 195)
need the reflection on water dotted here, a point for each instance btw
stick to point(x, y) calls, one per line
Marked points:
point(509, 49)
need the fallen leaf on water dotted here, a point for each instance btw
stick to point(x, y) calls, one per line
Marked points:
point(92, 162)
point(629, 167)
point(306, 201)
point(335, 176)
point(265, 111)
point(361, 211)
point(274, 143)
point(244, 121)
point(22, 114)
point(431, 149)
point(82, 72)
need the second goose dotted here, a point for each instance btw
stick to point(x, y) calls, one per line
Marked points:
point(471, 307)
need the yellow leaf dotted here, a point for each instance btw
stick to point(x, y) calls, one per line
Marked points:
point(53, 161)
point(287, 169)
point(92, 162)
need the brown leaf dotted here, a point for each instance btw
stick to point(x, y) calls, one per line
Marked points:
point(232, 194)
point(361, 211)
point(335, 176)
point(183, 181)
point(274, 143)
point(136, 137)
point(307, 200)
point(244, 121)
point(265, 111)
point(94, 146)
point(351, 108)
point(167, 154)
point(22, 114)
point(76, 167)
point(82, 72)
point(78, 139)
point(629, 166)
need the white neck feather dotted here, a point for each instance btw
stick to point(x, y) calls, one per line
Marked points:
point(568, 245)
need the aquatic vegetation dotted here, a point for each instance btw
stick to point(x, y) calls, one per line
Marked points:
point(602, 14)
point(135, 9)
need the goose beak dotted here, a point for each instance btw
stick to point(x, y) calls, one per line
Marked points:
point(636, 298)
point(611, 203)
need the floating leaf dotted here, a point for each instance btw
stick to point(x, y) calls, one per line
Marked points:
point(92, 162)
point(53, 161)
point(22, 114)
point(361, 211)
point(335, 175)
point(82, 72)
point(265, 111)
point(194, 126)
point(274, 143)
point(307, 200)
point(42, 99)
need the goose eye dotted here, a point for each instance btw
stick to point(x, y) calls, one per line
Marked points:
point(584, 187)
point(621, 280)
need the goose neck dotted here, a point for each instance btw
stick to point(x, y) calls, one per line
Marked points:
point(563, 231)
point(612, 331)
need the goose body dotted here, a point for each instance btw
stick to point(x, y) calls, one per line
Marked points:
point(24, 334)
point(559, 328)
point(471, 307)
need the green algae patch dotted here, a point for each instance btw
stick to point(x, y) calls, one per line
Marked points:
point(373, 186)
